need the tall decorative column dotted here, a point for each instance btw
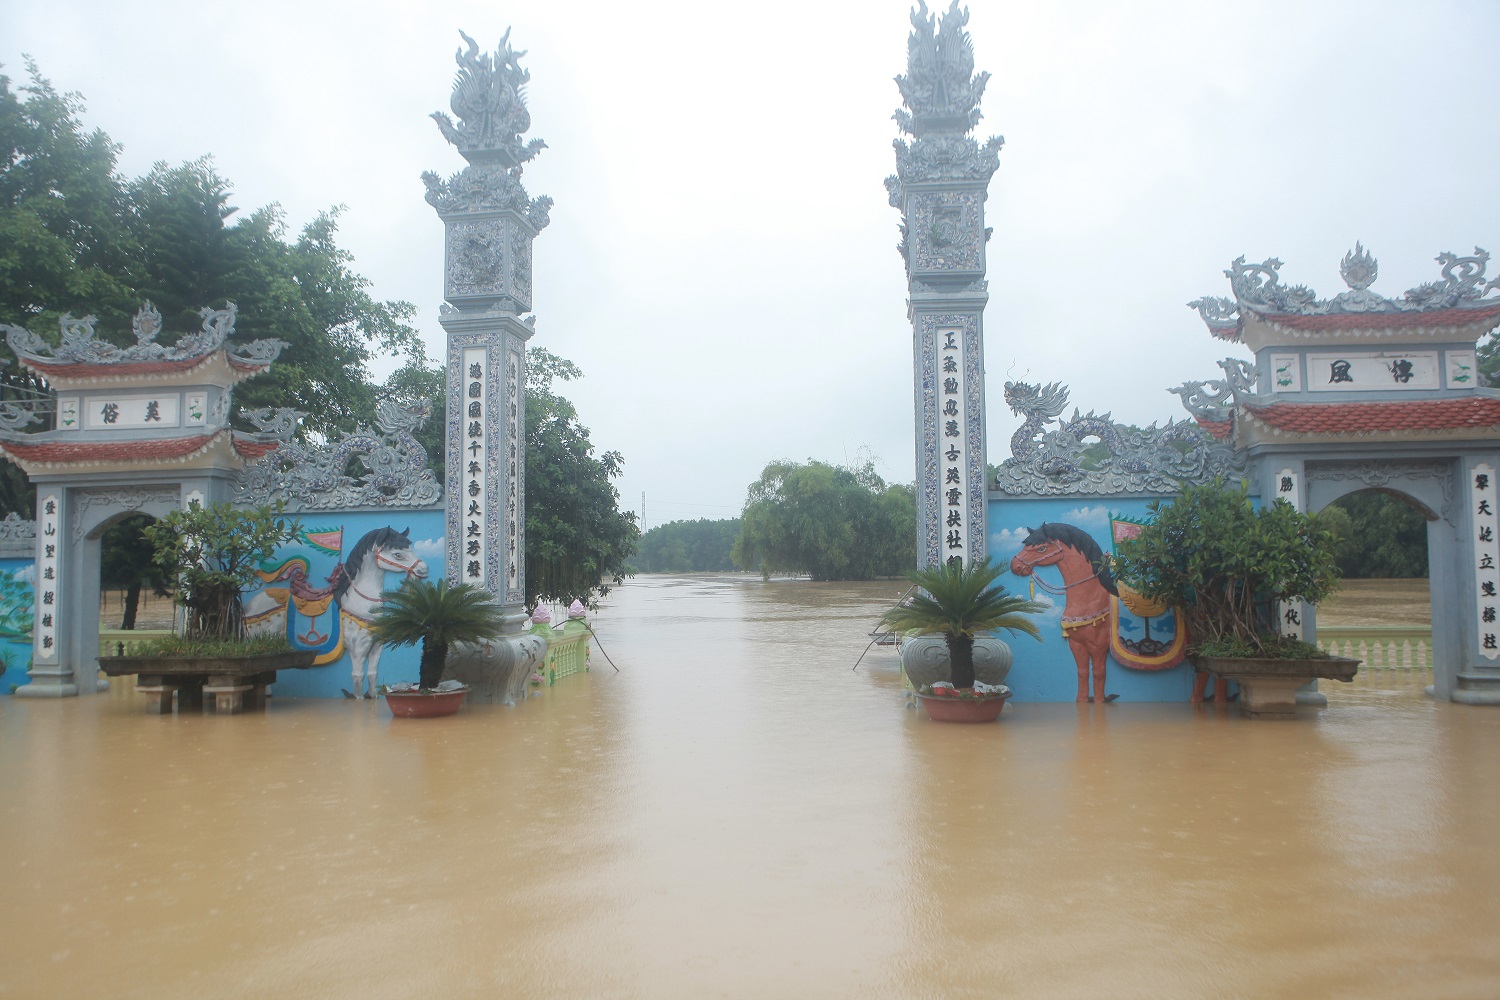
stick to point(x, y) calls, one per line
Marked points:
point(941, 182)
point(490, 222)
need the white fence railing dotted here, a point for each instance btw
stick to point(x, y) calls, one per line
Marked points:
point(1380, 647)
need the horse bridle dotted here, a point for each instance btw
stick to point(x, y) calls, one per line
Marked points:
point(1051, 588)
point(383, 563)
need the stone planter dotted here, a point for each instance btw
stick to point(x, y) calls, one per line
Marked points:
point(941, 709)
point(925, 660)
point(1268, 688)
point(226, 685)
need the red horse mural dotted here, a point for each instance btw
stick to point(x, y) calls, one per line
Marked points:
point(1087, 586)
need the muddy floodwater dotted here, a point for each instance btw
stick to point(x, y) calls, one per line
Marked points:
point(736, 813)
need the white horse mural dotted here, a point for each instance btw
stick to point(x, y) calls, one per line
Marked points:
point(358, 587)
point(382, 551)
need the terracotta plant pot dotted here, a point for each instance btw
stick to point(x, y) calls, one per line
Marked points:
point(424, 705)
point(941, 709)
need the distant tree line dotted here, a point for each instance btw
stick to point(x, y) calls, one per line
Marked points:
point(701, 546)
point(830, 522)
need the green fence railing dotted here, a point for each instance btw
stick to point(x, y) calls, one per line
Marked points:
point(567, 649)
point(122, 642)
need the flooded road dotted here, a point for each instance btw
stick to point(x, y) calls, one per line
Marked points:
point(736, 813)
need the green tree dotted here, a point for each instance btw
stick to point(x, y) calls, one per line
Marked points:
point(831, 522)
point(127, 562)
point(211, 554)
point(1226, 566)
point(1380, 536)
point(578, 541)
point(77, 237)
point(701, 546)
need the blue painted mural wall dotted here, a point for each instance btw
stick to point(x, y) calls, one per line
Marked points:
point(312, 620)
point(16, 598)
point(1046, 670)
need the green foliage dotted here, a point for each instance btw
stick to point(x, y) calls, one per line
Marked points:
point(578, 540)
point(127, 562)
point(958, 602)
point(77, 237)
point(436, 616)
point(16, 601)
point(830, 522)
point(1224, 565)
point(1379, 536)
point(176, 645)
point(1275, 647)
point(701, 546)
point(211, 554)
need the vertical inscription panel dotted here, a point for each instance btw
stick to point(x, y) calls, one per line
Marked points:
point(953, 442)
point(474, 493)
point(1484, 553)
point(1289, 614)
point(515, 476)
point(48, 570)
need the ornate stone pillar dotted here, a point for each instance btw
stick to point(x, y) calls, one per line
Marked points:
point(941, 182)
point(490, 222)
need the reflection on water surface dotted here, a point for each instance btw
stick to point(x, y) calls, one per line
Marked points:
point(738, 813)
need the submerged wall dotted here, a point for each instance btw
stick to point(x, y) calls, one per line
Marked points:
point(17, 574)
point(295, 600)
point(1144, 662)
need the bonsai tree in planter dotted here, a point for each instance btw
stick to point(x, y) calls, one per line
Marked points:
point(436, 616)
point(958, 602)
point(1225, 567)
point(211, 555)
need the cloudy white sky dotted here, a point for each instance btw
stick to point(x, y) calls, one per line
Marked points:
point(721, 257)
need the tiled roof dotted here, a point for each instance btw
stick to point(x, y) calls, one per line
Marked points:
point(74, 369)
point(1220, 429)
point(251, 450)
point(1489, 314)
point(63, 452)
point(1365, 418)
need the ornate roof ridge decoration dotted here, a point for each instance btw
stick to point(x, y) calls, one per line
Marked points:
point(941, 93)
point(1214, 400)
point(14, 531)
point(940, 88)
point(489, 98)
point(1062, 460)
point(1257, 288)
point(78, 343)
point(313, 476)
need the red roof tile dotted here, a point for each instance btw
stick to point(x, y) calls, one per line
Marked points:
point(107, 451)
point(75, 369)
point(1387, 320)
point(253, 449)
point(1364, 418)
point(1220, 429)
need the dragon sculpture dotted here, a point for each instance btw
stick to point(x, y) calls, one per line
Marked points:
point(1068, 457)
point(314, 477)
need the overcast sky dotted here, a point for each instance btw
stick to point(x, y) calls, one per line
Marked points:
point(721, 261)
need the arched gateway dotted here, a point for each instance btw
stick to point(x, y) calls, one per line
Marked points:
point(138, 429)
point(1358, 392)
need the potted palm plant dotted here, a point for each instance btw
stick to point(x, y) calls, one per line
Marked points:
point(1232, 571)
point(434, 616)
point(959, 602)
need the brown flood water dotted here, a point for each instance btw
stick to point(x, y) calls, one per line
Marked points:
point(736, 813)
